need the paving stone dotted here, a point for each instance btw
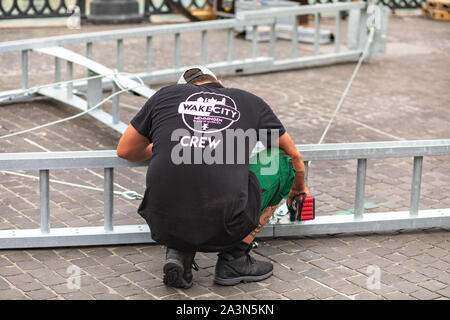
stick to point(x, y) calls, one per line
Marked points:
point(265, 294)
point(12, 294)
point(398, 296)
point(335, 256)
point(298, 294)
point(414, 277)
point(289, 248)
point(406, 287)
point(324, 263)
point(114, 282)
point(41, 294)
point(51, 279)
point(18, 256)
point(4, 285)
point(112, 261)
point(4, 262)
point(9, 271)
point(430, 272)
point(138, 276)
point(84, 262)
point(99, 272)
point(94, 289)
point(342, 272)
point(108, 296)
point(210, 296)
point(307, 256)
point(124, 268)
point(241, 296)
point(315, 273)
point(359, 280)
point(70, 254)
point(137, 258)
point(443, 277)
point(176, 296)
point(205, 263)
point(144, 296)
point(30, 265)
point(350, 289)
point(197, 291)
point(128, 290)
point(425, 258)
point(249, 287)
point(445, 292)
point(63, 288)
point(77, 295)
point(162, 291)
point(152, 283)
point(424, 294)
point(367, 296)
point(267, 251)
point(441, 265)
point(99, 253)
point(323, 293)
point(390, 279)
point(56, 263)
point(433, 285)
point(333, 281)
point(279, 286)
point(44, 256)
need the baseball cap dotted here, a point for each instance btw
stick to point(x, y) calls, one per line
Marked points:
point(203, 70)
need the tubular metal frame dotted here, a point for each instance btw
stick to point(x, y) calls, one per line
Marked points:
point(126, 234)
point(255, 63)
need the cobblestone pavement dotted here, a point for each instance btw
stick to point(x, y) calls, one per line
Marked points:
point(403, 93)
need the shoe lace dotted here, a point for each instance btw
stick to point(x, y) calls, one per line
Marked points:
point(251, 259)
point(195, 265)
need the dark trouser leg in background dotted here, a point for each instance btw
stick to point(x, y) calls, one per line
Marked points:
point(275, 174)
point(178, 268)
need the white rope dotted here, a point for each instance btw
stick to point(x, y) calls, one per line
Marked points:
point(349, 84)
point(129, 194)
point(141, 83)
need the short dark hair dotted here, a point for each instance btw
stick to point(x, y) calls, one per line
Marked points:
point(202, 78)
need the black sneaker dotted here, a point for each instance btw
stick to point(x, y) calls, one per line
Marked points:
point(231, 271)
point(178, 268)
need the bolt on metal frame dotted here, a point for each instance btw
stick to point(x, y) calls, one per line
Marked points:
point(126, 234)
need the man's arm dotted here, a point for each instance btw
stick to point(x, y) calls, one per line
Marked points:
point(299, 186)
point(133, 146)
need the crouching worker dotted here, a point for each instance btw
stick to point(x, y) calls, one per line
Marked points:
point(205, 192)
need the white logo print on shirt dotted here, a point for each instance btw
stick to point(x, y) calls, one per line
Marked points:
point(207, 112)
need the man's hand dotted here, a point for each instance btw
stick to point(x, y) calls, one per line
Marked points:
point(133, 146)
point(293, 193)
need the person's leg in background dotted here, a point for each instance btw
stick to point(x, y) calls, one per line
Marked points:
point(275, 173)
point(178, 268)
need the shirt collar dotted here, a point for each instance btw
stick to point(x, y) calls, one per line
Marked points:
point(212, 85)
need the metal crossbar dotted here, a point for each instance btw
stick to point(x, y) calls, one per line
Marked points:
point(110, 234)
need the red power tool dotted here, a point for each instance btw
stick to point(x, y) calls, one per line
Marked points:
point(302, 208)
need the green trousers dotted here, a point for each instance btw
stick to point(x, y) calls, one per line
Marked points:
point(275, 173)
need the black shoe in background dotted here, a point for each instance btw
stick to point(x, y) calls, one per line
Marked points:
point(178, 268)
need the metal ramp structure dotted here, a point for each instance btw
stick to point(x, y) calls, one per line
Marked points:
point(322, 225)
point(107, 78)
point(66, 96)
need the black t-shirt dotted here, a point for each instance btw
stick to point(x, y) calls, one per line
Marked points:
point(200, 194)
